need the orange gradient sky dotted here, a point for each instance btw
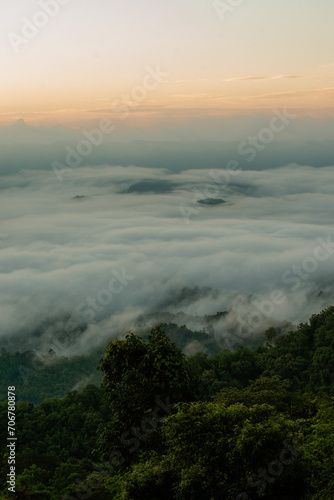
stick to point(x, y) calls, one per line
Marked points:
point(263, 54)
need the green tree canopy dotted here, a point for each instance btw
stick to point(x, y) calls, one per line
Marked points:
point(140, 378)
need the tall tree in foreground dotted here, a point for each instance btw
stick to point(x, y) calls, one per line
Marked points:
point(142, 380)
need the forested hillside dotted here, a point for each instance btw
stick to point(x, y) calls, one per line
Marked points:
point(236, 425)
point(38, 376)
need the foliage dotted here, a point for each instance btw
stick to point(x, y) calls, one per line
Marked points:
point(240, 425)
point(39, 377)
point(137, 375)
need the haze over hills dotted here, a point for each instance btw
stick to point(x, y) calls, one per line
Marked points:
point(159, 224)
point(166, 250)
point(305, 141)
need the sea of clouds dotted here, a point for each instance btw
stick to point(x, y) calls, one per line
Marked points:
point(123, 233)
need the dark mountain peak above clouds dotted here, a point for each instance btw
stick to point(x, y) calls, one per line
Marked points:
point(158, 186)
point(211, 201)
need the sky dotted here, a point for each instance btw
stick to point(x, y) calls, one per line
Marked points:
point(216, 58)
point(214, 173)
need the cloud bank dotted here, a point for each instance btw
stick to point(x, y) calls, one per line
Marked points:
point(256, 256)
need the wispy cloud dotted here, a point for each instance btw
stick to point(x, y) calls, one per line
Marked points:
point(275, 77)
point(287, 77)
point(246, 78)
point(322, 92)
